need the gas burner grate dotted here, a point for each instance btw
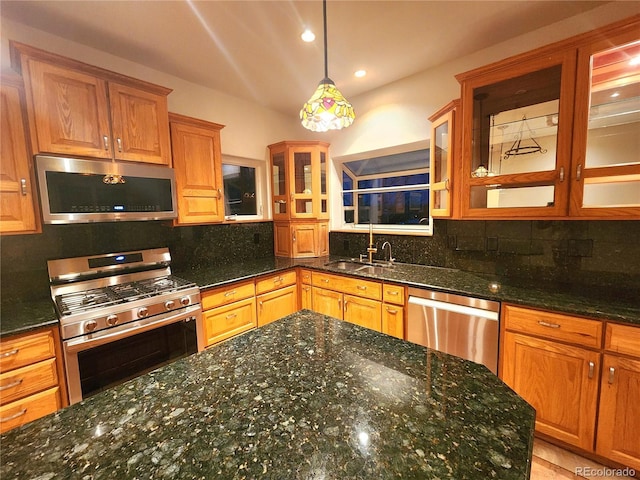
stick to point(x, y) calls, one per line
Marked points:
point(76, 302)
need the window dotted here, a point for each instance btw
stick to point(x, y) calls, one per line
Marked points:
point(243, 188)
point(390, 191)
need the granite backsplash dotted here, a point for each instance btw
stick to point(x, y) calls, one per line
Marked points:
point(580, 252)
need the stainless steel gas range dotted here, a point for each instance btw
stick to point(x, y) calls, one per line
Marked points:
point(122, 315)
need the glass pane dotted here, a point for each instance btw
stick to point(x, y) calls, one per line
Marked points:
point(278, 174)
point(515, 124)
point(615, 193)
point(496, 197)
point(347, 184)
point(302, 172)
point(280, 206)
point(323, 205)
point(614, 115)
point(441, 155)
point(239, 190)
point(394, 208)
point(304, 206)
point(440, 199)
point(323, 173)
point(417, 179)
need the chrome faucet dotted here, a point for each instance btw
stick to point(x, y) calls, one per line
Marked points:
point(387, 244)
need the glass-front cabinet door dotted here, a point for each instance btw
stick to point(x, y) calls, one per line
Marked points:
point(517, 128)
point(279, 185)
point(606, 170)
point(443, 155)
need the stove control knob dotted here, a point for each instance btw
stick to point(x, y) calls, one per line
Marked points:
point(112, 320)
point(143, 312)
point(90, 326)
point(169, 304)
point(185, 301)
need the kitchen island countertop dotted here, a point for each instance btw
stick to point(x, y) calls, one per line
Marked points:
point(303, 397)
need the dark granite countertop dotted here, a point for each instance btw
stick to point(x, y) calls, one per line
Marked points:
point(304, 397)
point(619, 305)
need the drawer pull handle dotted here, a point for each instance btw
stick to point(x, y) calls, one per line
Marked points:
point(23, 186)
point(14, 416)
point(11, 385)
point(592, 367)
point(105, 140)
point(547, 324)
point(392, 311)
point(232, 315)
point(10, 353)
point(229, 293)
point(324, 280)
point(119, 141)
point(393, 292)
point(361, 287)
point(612, 372)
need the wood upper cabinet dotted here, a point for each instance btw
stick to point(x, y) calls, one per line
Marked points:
point(300, 198)
point(605, 176)
point(552, 133)
point(18, 204)
point(80, 110)
point(444, 156)
point(197, 161)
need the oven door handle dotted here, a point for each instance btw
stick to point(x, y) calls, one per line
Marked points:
point(79, 344)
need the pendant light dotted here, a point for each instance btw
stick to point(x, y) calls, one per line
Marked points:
point(327, 109)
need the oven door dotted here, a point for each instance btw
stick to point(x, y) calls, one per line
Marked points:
point(107, 358)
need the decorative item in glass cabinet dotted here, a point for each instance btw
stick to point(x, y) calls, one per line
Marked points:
point(524, 143)
point(327, 109)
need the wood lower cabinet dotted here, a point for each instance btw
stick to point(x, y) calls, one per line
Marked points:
point(304, 280)
point(582, 379)
point(393, 318)
point(619, 413)
point(18, 205)
point(197, 161)
point(78, 109)
point(228, 311)
point(277, 296)
point(31, 378)
point(352, 299)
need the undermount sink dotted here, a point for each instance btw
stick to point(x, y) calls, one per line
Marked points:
point(355, 266)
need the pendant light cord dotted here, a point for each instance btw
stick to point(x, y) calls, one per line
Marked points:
point(324, 15)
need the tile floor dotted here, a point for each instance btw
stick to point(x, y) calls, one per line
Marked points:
point(554, 463)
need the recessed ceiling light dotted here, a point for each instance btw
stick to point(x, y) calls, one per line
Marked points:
point(308, 36)
point(360, 73)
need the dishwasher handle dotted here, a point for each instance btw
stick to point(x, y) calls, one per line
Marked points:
point(452, 307)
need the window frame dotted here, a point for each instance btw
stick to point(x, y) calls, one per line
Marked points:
point(261, 189)
point(338, 209)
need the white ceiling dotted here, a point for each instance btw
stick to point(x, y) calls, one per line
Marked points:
point(253, 50)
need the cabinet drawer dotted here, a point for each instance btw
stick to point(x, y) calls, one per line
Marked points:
point(623, 339)
point(228, 294)
point(27, 349)
point(27, 380)
point(350, 285)
point(550, 325)
point(305, 276)
point(225, 322)
point(393, 294)
point(28, 409)
point(283, 279)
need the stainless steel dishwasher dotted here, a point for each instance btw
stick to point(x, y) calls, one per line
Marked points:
point(463, 326)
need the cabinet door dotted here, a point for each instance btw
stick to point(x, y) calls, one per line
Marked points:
point(442, 151)
point(619, 418)
point(304, 240)
point(140, 125)
point(277, 304)
point(306, 302)
point(282, 238)
point(559, 381)
point(69, 110)
point(516, 136)
point(393, 320)
point(606, 152)
point(327, 302)
point(364, 312)
point(17, 208)
point(198, 168)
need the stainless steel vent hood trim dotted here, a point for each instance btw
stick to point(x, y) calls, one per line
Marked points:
point(115, 173)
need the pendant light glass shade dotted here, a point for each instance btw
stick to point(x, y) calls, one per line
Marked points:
point(327, 109)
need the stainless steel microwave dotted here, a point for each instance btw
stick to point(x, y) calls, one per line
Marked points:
point(80, 191)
